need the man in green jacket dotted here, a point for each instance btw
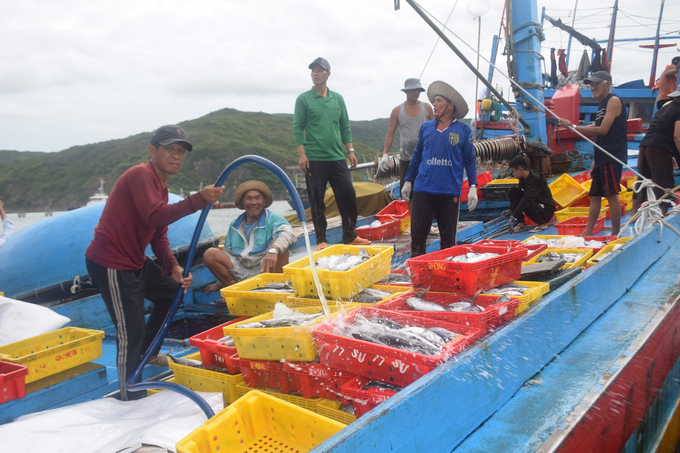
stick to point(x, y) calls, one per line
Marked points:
point(320, 128)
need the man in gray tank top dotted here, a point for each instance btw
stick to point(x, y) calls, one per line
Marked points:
point(408, 116)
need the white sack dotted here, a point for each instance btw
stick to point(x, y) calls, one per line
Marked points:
point(20, 320)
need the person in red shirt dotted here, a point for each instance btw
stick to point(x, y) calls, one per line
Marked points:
point(137, 214)
point(668, 82)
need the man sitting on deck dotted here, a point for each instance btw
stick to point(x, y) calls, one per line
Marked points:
point(532, 197)
point(258, 240)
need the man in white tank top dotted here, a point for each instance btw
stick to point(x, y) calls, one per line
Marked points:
point(408, 116)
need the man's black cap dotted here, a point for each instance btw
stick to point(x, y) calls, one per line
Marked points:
point(599, 76)
point(169, 134)
point(321, 62)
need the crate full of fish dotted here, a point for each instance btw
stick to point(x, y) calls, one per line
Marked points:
point(527, 293)
point(257, 295)
point(318, 381)
point(344, 270)
point(191, 373)
point(217, 349)
point(377, 229)
point(282, 334)
point(605, 251)
point(396, 277)
point(369, 296)
point(389, 346)
point(533, 250)
point(53, 352)
point(568, 242)
point(12, 381)
point(366, 394)
point(260, 422)
point(466, 269)
point(573, 257)
point(485, 312)
point(508, 243)
point(577, 225)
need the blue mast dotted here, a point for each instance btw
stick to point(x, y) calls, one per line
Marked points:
point(527, 36)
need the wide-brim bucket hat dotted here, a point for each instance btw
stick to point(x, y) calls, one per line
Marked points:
point(445, 90)
point(253, 185)
point(412, 84)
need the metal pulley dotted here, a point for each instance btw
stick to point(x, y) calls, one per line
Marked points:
point(499, 149)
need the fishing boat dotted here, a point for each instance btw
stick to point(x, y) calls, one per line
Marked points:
point(592, 367)
point(100, 196)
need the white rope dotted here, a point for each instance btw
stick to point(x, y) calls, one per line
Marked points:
point(649, 213)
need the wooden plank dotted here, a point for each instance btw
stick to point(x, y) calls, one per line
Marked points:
point(483, 379)
point(56, 390)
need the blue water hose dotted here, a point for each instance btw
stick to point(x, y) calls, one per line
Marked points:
point(299, 209)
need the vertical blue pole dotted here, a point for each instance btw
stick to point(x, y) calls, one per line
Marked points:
point(527, 36)
point(656, 48)
point(612, 30)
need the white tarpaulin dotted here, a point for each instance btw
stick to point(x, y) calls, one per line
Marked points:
point(108, 425)
point(20, 320)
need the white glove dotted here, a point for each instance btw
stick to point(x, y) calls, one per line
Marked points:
point(406, 191)
point(384, 163)
point(472, 198)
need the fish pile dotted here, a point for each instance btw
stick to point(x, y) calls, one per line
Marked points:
point(369, 296)
point(373, 224)
point(382, 386)
point(227, 341)
point(554, 256)
point(567, 242)
point(510, 289)
point(342, 262)
point(471, 257)
point(395, 278)
point(385, 332)
point(283, 287)
point(282, 317)
point(463, 306)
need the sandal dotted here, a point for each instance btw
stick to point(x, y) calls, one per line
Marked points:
point(360, 241)
point(538, 229)
point(321, 246)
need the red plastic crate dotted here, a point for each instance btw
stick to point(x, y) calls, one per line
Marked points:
point(533, 250)
point(528, 221)
point(582, 203)
point(12, 381)
point(398, 209)
point(576, 226)
point(482, 180)
point(364, 400)
point(387, 229)
point(623, 210)
point(383, 363)
point(431, 271)
point(213, 352)
point(318, 381)
point(582, 177)
point(493, 316)
point(267, 375)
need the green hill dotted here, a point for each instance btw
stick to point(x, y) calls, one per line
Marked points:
point(67, 178)
point(10, 156)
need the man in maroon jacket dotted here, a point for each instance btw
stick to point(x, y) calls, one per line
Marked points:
point(137, 214)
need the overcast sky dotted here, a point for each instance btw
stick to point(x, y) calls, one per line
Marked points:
point(75, 72)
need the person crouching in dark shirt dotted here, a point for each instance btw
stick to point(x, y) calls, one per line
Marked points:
point(532, 197)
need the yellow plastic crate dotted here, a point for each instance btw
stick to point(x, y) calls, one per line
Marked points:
point(51, 353)
point(150, 392)
point(630, 180)
point(569, 213)
point(405, 223)
point(331, 409)
point(392, 288)
point(241, 301)
point(308, 403)
point(566, 190)
point(603, 251)
point(628, 198)
point(258, 422)
point(620, 241)
point(340, 284)
point(206, 380)
point(622, 194)
point(333, 305)
point(504, 181)
point(587, 253)
point(279, 343)
point(531, 296)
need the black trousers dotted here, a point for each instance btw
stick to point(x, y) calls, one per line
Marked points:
point(536, 212)
point(124, 293)
point(337, 174)
point(444, 208)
